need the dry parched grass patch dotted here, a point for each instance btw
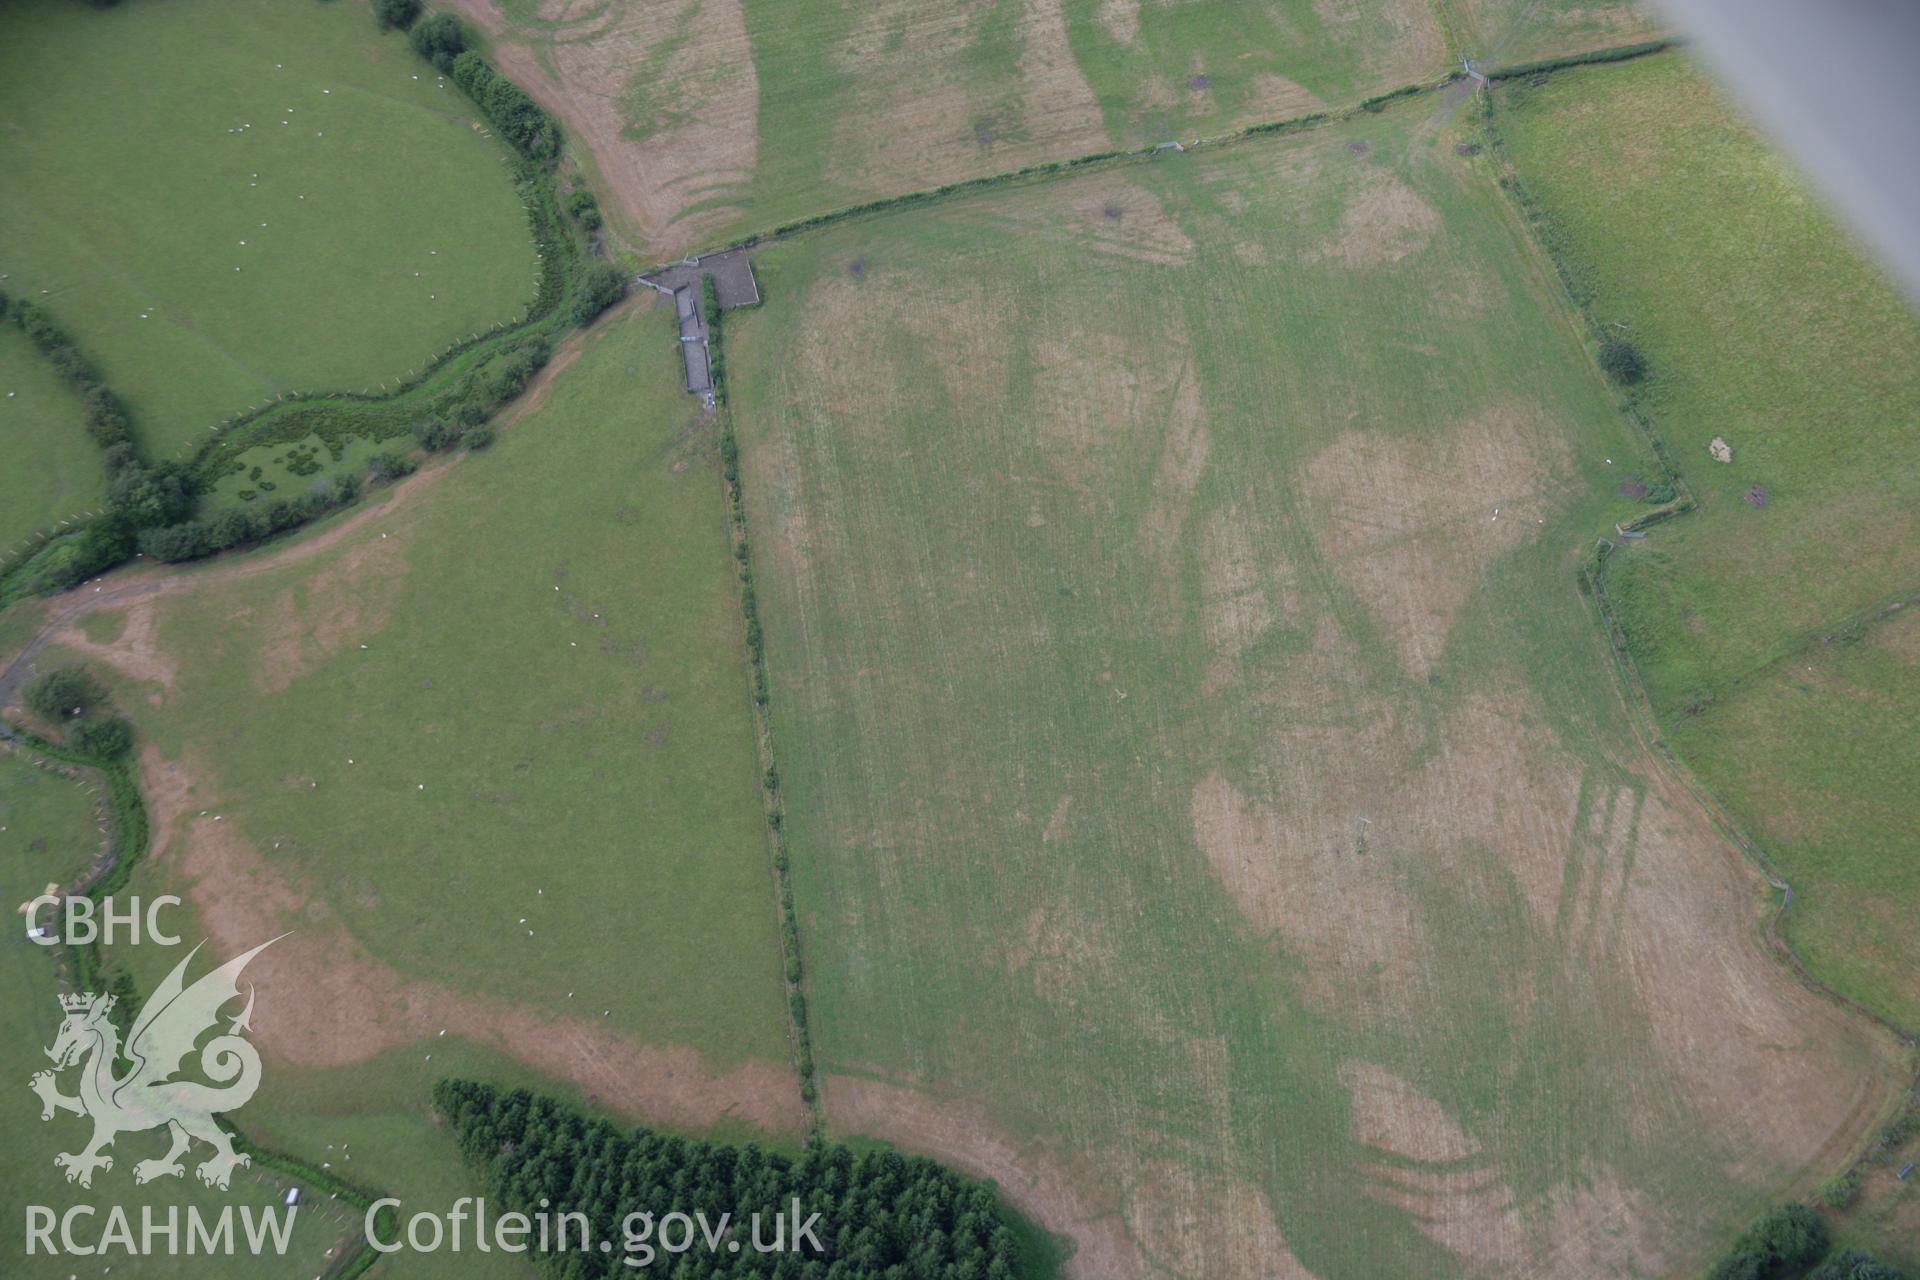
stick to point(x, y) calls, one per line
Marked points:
point(931, 116)
point(1413, 520)
point(700, 149)
point(1196, 1226)
point(1393, 1115)
point(346, 603)
point(1347, 916)
point(1385, 221)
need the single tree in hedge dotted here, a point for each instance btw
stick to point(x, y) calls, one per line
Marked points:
point(146, 496)
point(584, 208)
point(1622, 362)
point(603, 287)
point(396, 13)
point(439, 39)
point(1782, 1244)
point(433, 433)
point(390, 464)
point(109, 736)
point(233, 527)
point(65, 693)
point(175, 542)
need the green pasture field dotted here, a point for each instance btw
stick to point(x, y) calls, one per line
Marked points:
point(579, 756)
point(50, 468)
point(48, 833)
point(498, 749)
point(1764, 325)
point(1193, 733)
point(379, 224)
point(1505, 32)
point(1817, 753)
point(547, 719)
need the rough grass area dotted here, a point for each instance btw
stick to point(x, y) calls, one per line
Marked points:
point(1764, 326)
point(710, 118)
point(49, 468)
point(1213, 810)
point(48, 834)
point(356, 223)
point(487, 753)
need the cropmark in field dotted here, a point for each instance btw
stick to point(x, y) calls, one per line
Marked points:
point(1213, 812)
point(710, 118)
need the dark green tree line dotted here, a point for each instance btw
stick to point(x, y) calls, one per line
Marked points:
point(882, 1216)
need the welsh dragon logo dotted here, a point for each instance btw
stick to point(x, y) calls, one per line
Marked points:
point(148, 1095)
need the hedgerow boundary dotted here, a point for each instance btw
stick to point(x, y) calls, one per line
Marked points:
point(1619, 53)
point(1035, 174)
point(117, 444)
point(799, 1029)
point(1098, 160)
point(85, 968)
point(1552, 243)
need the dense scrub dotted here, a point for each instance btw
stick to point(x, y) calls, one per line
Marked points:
point(1787, 1243)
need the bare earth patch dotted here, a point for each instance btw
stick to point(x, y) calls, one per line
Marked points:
point(1592, 1225)
point(1275, 97)
point(1207, 1228)
point(1237, 607)
point(1302, 876)
point(1634, 896)
point(1184, 446)
point(1125, 218)
point(135, 653)
point(1121, 18)
point(1391, 1114)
